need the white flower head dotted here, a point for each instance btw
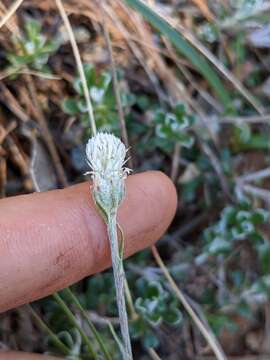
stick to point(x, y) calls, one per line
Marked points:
point(106, 156)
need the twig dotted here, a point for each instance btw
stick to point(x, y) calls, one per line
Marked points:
point(152, 353)
point(202, 5)
point(79, 65)
point(102, 320)
point(36, 109)
point(4, 131)
point(209, 337)
point(175, 161)
point(8, 73)
point(14, 7)
point(257, 192)
point(255, 176)
point(246, 119)
point(12, 104)
point(218, 169)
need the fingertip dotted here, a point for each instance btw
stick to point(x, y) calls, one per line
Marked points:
point(148, 209)
point(61, 235)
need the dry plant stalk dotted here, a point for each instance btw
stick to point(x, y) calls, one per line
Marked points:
point(11, 11)
point(207, 333)
point(106, 156)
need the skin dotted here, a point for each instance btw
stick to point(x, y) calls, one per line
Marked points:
point(54, 239)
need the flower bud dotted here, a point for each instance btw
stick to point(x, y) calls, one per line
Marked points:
point(106, 156)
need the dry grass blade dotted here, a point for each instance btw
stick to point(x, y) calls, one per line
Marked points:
point(246, 119)
point(255, 191)
point(223, 70)
point(121, 115)
point(209, 337)
point(152, 353)
point(175, 32)
point(12, 104)
point(202, 5)
point(139, 55)
point(41, 119)
point(79, 64)
point(14, 7)
point(42, 75)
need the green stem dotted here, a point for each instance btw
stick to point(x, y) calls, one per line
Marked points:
point(116, 338)
point(119, 279)
point(74, 322)
point(89, 322)
point(57, 342)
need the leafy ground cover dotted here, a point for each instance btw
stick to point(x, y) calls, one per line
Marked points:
point(193, 80)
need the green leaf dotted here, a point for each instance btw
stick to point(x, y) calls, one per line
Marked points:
point(264, 257)
point(137, 328)
point(150, 339)
point(33, 29)
point(219, 245)
point(200, 63)
point(173, 316)
point(70, 106)
point(260, 216)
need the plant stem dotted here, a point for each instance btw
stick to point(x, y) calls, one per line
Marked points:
point(119, 279)
point(130, 304)
point(74, 322)
point(116, 338)
point(116, 89)
point(105, 352)
point(79, 64)
point(57, 342)
point(11, 11)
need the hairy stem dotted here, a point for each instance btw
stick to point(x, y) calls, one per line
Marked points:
point(119, 279)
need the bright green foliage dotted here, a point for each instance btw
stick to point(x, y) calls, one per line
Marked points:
point(209, 32)
point(237, 223)
point(32, 49)
point(173, 126)
point(260, 290)
point(102, 97)
point(103, 285)
point(154, 306)
point(220, 322)
point(165, 128)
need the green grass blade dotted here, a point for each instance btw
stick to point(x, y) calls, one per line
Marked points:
point(75, 323)
point(97, 336)
point(57, 342)
point(199, 62)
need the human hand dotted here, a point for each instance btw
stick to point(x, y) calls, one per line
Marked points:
point(51, 240)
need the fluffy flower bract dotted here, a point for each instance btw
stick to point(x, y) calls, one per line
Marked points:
point(106, 156)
